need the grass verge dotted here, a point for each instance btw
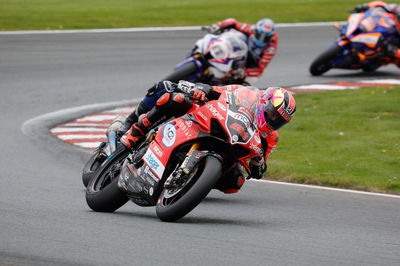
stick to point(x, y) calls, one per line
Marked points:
point(348, 139)
point(85, 14)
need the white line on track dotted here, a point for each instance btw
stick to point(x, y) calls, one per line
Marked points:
point(385, 81)
point(330, 189)
point(75, 129)
point(71, 137)
point(96, 118)
point(324, 87)
point(151, 29)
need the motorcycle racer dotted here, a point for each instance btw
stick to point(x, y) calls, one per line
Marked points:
point(262, 41)
point(274, 108)
point(390, 48)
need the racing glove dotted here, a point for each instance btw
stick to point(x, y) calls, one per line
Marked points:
point(360, 8)
point(213, 29)
point(199, 91)
point(258, 167)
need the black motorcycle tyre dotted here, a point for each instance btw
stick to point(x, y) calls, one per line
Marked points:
point(107, 198)
point(194, 195)
point(183, 73)
point(90, 168)
point(323, 62)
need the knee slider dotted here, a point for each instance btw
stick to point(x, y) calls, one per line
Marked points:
point(163, 99)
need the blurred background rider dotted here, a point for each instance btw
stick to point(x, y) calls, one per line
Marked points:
point(392, 48)
point(262, 43)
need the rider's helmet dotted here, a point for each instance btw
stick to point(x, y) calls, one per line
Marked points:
point(376, 3)
point(264, 31)
point(276, 108)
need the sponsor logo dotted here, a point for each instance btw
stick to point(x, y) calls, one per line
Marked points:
point(150, 181)
point(214, 111)
point(220, 105)
point(184, 128)
point(256, 148)
point(242, 118)
point(202, 115)
point(154, 163)
point(148, 174)
point(169, 135)
point(242, 132)
point(189, 123)
point(158, 151)
point(257, 139)
point(245, 111)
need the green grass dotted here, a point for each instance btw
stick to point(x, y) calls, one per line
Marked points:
point(85, 14)
point(348, 139)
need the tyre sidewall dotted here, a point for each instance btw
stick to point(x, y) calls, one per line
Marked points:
point(206, 181)
point(110, 198)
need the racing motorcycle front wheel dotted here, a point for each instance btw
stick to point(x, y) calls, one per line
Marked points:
point(173, 204)
point(102, 192)
point(324, 61)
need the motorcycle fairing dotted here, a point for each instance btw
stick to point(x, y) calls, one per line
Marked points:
point(239, 125)
point(169, 136)
point(369, 39)
point(360, 39)
point(234, 111)
point(221, 68)
point(140, 184)
point(236, 123)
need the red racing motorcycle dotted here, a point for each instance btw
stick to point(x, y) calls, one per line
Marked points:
point(181, 160)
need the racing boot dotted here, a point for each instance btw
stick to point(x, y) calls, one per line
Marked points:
point(132, 136)
point(136, 132)
point(397, 54)
point(231, 182)
point(131, 119)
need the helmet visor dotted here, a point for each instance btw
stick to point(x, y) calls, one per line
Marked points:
point(263, 37)
point(272, 117)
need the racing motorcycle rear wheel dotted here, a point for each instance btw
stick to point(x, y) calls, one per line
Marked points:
point(174, 204)
point(90, 167)
point(324, 61)
point(102, 192)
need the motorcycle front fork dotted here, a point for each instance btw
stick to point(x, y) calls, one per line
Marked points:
point(177, 177)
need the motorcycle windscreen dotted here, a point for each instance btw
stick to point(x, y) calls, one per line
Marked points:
point(368, 24)
point(353, 22)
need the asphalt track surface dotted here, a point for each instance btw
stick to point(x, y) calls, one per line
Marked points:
point(44, 219)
